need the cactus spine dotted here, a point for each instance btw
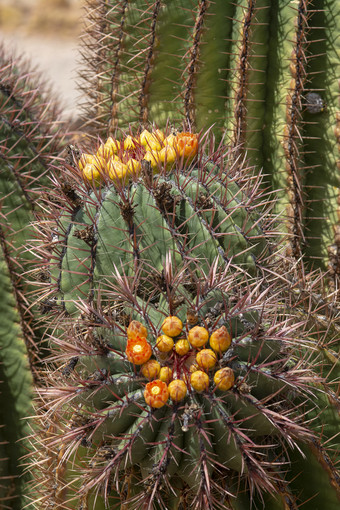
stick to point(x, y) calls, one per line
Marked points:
point(29, 141)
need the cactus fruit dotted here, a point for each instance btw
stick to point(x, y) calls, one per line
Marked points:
point(264, 73)
point(185, 254)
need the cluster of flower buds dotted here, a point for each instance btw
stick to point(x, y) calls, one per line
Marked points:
point(121, 159)
point(181, 363)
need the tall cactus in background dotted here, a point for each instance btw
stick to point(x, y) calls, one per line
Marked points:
point(29, 142)
point(134, 413)
point(263, 72)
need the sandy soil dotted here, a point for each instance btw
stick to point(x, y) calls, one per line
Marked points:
point(58, 59)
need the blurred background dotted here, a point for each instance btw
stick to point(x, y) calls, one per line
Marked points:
point(47, 32)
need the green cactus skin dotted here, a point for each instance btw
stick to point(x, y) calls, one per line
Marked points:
point(157, 248)
point(28, 144)
point(247, 68)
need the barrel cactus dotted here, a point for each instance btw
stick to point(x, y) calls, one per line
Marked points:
point(181, 375)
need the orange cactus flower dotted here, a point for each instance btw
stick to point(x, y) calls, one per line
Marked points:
point(177, 390)
point(224, 379)
point(156, 393)
point(187, 144)
point(138, 350)
point(136, 329)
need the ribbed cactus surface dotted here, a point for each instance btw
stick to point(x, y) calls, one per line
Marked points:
point(183, 375)
point(264, 72)
point(28, 144)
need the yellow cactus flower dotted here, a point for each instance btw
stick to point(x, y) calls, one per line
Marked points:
point(129, 143)
point(145, 137)
point(117, 169)
point(170, 141)
point(91, 172)
point(112, 146)
point(153, 158)
point(134, 166)
point(167, 155)
point(86, 159)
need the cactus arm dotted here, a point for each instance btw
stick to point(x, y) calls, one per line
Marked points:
point(29, 141)
point(322, 136)
point(15, 396)
point(317, 482)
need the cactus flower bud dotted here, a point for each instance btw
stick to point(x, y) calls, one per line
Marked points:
point(198, 336)
point(224, 378)
point(182, 347)
point(136, 329)
point(220, 339)
point(177, 390)
point(164, 343)
point(172, 326)
point(206, 358)
point(151, 369)
point(199, 380)
point(165, 374)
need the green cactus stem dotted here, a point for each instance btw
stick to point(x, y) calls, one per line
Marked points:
point(29, 142)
